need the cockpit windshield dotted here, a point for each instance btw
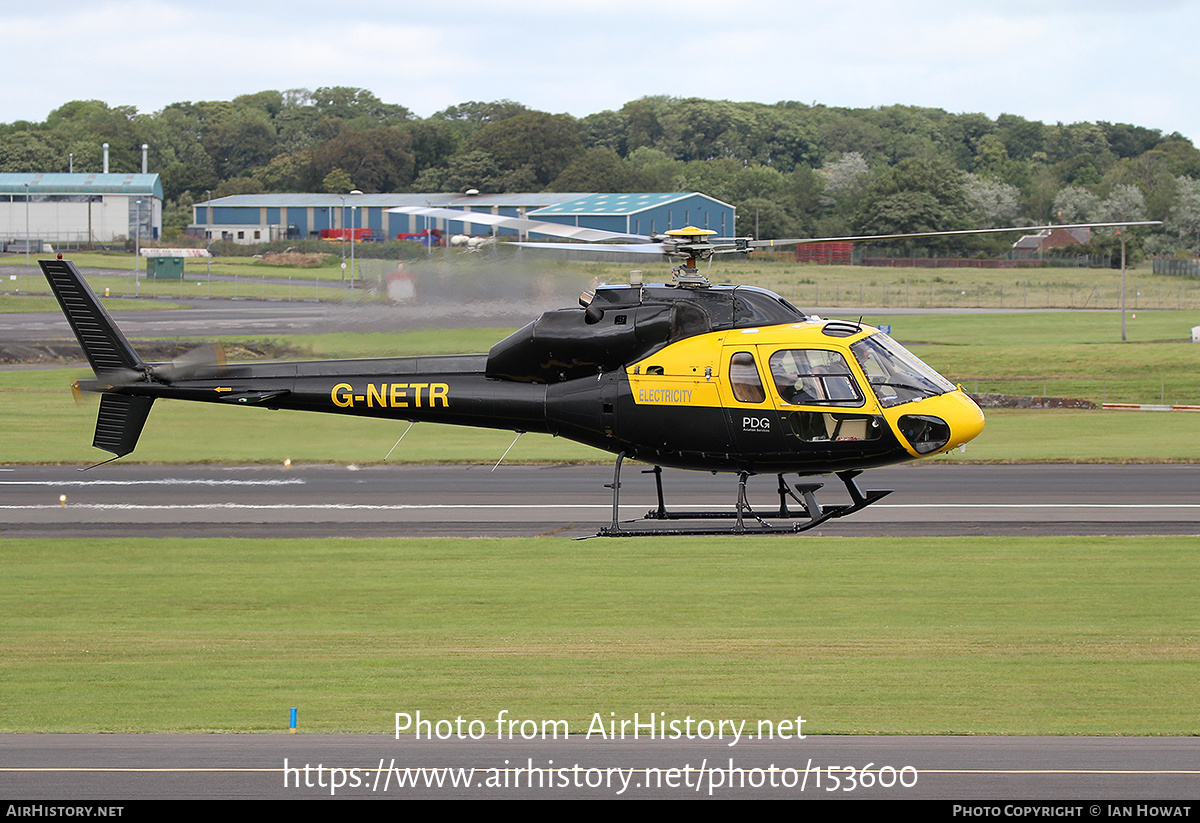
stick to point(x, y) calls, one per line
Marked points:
point(895, 374)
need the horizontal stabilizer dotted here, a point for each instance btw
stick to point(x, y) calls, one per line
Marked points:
point(106, 348)
point(120, 422)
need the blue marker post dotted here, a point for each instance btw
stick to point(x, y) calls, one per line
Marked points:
point(292, 724)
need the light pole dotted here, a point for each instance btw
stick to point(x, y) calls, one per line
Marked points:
point(137, 238)
point(353, 214)
point(342, 220)
point(208, 231)
point(1121, 234)
point(26, 224)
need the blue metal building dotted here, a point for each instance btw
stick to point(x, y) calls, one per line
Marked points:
point(259, 218)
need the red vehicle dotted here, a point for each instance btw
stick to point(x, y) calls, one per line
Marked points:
point(337, 235)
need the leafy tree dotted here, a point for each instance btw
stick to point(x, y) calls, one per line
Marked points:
point(92, 121)
point(1180, 156)
point(763, 217)
point(237, 185)
point(1022, 138)
point(781, 136)
point(644, 116)
point(844, 134)
point(845, 179)
point(434, 142)
point(993, 204)
point(239, 139)
point(597, 169)
point(1126, 140)
point(292, 172)
point(346, 103)
point(480, 114)
point(657, 171)
point(175, 136)
point(179, 179)
point(1075, 204)
point(337, 182)
point(28, 152)
point(270, 102)
point(473, 170)
point(376, 159)
point(1124, 202)
point(177, 215)
point(430, 179)
point(915, 195)
point(545, 143)
point(606, 129)
point(697, 129)
point(1183, 223)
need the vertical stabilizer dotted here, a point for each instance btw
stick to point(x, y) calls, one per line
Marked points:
point(122, 416)
point(106, 348)
point(120, 422)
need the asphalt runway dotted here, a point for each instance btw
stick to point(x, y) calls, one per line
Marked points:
point(573, 501)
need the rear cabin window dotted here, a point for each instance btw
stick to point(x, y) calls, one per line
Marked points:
point(743, 377)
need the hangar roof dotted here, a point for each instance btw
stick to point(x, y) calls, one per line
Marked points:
point(619, 203)
point(450, 200)
point(134, 184)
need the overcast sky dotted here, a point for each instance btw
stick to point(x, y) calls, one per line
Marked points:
point(1064, 60)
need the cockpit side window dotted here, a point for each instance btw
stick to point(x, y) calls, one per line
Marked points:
point(744, 379)
point(814, 377)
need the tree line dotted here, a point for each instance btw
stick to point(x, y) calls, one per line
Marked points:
point(791, 169)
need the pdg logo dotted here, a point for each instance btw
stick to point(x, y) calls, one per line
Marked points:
point(756, 424)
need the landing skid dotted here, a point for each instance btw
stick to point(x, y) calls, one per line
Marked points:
point(809, 515)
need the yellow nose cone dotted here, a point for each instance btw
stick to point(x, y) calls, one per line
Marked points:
point(937, 424)
point(965, 419)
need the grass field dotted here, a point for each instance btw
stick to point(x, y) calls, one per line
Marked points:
point(955, 636)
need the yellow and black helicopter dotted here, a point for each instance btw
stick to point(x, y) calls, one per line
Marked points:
point(684, 375)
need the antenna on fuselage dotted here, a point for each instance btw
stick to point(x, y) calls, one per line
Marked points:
point(506, 451)
point(411, 423)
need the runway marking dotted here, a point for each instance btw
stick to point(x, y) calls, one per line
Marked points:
point(166, 481)
point(608, 506)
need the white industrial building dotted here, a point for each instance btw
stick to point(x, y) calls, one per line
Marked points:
point(75, 210)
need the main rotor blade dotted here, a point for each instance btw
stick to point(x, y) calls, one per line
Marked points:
point(620, 248)
point(1027, 229)
point(518, 223)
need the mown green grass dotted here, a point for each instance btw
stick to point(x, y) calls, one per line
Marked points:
point(958, 636)
point(254, 286)
point(193, 266)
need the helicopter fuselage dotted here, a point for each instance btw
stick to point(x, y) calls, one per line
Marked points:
point(721, 379)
